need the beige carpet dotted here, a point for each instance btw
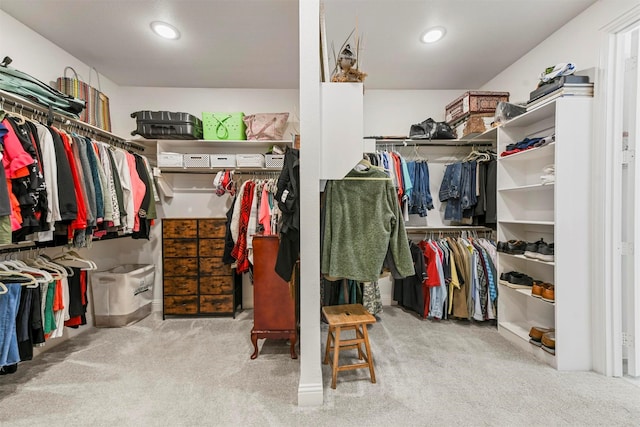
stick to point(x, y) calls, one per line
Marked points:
point(197, 372)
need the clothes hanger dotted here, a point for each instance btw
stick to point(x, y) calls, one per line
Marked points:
point(3, 289)
point(30, 283)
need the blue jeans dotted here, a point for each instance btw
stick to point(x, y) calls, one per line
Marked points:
point(451, 182)
point(421, 200)
point(9, 303)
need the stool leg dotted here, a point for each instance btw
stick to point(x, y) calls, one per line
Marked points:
point(336, 354)
point(369, 355)
point(326, 351)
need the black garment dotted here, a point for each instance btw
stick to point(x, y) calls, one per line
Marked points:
point(29, 327)
point(288, 199)
point(145, 223)
point(66, 189)
point(228, 239)
point(76, 308)
point(491, 216)
point(408, 291)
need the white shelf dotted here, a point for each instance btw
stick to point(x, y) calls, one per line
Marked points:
point(527, 222)
point(216, 169)
point(522, 257)
point(528, 210)
point(532, 117)
point(200, 143)
point(530, 154)
point(532, 187)
point(486, 138)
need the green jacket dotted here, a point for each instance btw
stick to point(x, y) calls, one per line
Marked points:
point(362, 222)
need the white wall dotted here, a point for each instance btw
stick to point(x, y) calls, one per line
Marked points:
point(578, 41)
point(37, 56)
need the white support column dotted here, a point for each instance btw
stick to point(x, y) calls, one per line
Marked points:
point(310, 391)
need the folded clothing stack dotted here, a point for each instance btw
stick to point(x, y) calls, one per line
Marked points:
point(527, 144)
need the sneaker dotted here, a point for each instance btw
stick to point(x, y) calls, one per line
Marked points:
point(516, 280)
point(548, 342)
point(531, 250)
point(516, 247)
point(545, 252)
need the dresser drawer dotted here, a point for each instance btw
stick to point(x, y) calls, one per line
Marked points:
point(211, 247)
point(213, 267)
point(180, 286)
point(181, 267)
point(180, 248)
point(216, 227)
point(216, 285)
point(180, 228)
point(216, 303)
point(181, 305)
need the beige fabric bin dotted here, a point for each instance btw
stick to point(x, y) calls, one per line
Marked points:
point(122, 295)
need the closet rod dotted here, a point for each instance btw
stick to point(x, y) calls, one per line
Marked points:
point(24, 105)
point(422, 229)
point(432, 143)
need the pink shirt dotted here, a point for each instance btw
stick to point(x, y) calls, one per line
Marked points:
point(138, 190)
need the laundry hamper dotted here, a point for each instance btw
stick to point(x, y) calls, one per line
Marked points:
point(122, 295)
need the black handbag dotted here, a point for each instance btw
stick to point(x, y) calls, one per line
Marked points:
point(430, 129)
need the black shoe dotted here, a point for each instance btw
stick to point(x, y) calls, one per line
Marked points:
point(531, 250)
point(516, 247)
point(9, 369)
point(545, 252)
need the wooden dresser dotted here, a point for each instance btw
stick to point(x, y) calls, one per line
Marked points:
point(274, 313)
point(195, 281)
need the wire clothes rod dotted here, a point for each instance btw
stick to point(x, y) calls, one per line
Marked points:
point(22, 105)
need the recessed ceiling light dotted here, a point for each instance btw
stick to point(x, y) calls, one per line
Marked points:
point(432, 35)
point(165, 30)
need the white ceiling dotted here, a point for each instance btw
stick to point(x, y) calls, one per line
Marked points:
point(254, 43)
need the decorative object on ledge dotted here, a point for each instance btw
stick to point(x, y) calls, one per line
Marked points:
point(347, 67)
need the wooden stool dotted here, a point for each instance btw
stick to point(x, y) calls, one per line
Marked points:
point(348, 317)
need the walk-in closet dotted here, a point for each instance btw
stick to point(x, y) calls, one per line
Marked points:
point(319, 212)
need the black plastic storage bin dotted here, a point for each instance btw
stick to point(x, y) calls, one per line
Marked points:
point(167, 125)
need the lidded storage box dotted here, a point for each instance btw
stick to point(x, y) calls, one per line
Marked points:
point(122, 295)
point(250, 160)
point(167, 125)
point(195, 160)
point(223, 126)
point(473, 102)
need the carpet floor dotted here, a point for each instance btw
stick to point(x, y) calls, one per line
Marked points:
point(197, 372)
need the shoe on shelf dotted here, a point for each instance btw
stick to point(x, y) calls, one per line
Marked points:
point(531, 249)
point(536, 333)
point(516, 280)
point(548, 293)
point(548, 342)
point(516, 247)
point(546, 252)
point(548, 174)
point(537, 288)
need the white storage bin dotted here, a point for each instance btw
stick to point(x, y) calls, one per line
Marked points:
point(274, 161)
point(250, 160)
point(196, 160)
point(169, 160)
point(222, 160)
point(122, 295)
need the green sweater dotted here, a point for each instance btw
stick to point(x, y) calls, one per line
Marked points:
point(362, 222)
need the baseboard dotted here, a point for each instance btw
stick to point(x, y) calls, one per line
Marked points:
point(310, 394)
